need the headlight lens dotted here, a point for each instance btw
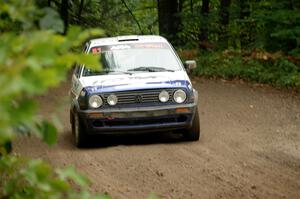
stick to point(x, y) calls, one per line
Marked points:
point(163, 96)
point(112, 99)
point(179, 96)
point(95, 101)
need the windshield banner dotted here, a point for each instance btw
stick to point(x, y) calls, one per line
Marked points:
point(100, 49)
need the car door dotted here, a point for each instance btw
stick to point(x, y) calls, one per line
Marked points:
point(76, 86)
point(75, 82)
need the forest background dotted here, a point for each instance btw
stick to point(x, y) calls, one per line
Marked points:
point(257, 41)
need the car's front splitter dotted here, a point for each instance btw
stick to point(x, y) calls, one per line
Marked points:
point(135, 120)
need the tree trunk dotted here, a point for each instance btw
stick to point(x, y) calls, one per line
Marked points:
point(64, 12)
point(80, 11)
point(168, 19)
point(244, 9)
point(224, 21)
point(180, 5)
point(244, 13)
point(49, 3)
point(191, 6)
point(203, 37)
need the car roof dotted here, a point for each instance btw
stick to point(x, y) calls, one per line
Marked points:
point(127, 39)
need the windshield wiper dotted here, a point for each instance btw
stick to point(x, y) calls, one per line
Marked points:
point(112, 71)
point(151, 69)
point(118, 71)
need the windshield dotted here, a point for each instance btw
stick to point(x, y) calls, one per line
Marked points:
point(132, 58)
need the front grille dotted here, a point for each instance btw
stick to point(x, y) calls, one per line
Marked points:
point(140, 121)
point(139, 97)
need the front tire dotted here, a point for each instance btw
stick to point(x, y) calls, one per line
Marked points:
point(78, 131)
point(193, 133)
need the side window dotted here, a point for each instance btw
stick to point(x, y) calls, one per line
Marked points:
point(77, 70)
point(86, 47)
point(77, 66)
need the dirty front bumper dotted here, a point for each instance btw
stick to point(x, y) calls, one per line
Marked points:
point(138, 120)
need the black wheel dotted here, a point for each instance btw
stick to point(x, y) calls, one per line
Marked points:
point(78, 131)
point(193, 133)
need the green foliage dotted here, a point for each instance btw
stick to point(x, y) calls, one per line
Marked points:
point(268, 24)
point(23, 178)
point(30, 63)
point(49, 132)
point(33, 58)
point(280, 22)
point(277, 71)
point(193, 22)
point(51, 20)
point(113, 16)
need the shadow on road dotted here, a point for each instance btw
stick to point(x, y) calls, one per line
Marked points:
point(103, 141)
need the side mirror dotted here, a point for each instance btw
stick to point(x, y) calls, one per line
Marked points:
point(190, 65)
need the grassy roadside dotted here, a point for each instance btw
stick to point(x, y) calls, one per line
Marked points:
point(257, 66)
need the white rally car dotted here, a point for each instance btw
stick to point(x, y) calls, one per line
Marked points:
point(143, 87)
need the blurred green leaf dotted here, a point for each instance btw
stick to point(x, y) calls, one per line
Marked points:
point(49, 132)
point(31, 61)
point(152, 196)
point(51, 21)
point(91, 61)
point(71, 174)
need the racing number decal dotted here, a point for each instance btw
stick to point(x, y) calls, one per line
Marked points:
point(96, 50)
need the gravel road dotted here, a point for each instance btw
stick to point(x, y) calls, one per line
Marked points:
point(249, 148)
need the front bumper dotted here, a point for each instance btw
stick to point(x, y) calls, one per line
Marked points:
point(137, 120)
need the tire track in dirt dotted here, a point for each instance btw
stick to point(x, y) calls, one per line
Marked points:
point(249, 148)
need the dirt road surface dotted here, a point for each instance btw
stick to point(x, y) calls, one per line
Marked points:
point(249, 148)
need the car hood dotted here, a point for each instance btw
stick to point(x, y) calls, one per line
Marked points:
point(136, 81)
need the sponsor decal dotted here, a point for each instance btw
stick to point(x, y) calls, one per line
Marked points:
point(100, 49)
point(151, 45)
point(104, 86)
point(120, 47)
point(178, 83)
